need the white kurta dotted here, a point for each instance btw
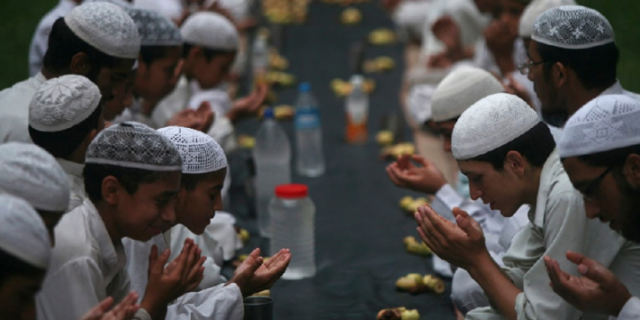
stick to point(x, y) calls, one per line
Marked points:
point(76, 182)
point(557, 224)
point(40, 41)
point(631, 310)
point(214, 301)
point(222, 129)
point(86, 268)
point(14, 109)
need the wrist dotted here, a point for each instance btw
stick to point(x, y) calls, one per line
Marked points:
point(149, 304)
point(622, 302)
point(481, 265)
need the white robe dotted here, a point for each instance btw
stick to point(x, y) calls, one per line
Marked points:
point(14, 109)
point(180, 99)
point(410, 17)
point(557, 224)
point(631, 310)
point(85, 268)
point(40, 41)
point(213, 301)
point(76, 182)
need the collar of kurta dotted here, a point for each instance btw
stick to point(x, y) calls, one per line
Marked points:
point(112, 257)
point(616, 88)
point(71, 168)
point(551, 169)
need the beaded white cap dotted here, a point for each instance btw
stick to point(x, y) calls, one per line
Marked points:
point(200, 152)
point(572, 27)
point(210, 30)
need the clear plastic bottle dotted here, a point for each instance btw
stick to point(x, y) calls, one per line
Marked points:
point(309, 157)
point(357, 109)
point(260, 52)
point(272, 156)
point(293, 227)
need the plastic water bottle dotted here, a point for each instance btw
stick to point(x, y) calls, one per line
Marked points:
point(310, 158)
point(357, 109)
point(260, 52)
point(293, 227)
point(272, 156)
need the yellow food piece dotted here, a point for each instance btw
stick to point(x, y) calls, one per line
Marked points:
point(410, 315)
point(276, 61)
point(405, 202)
point(382, 36)
point(384, 137)
point(351, 16)
point(246, 142)
point(416, 283)
point(284, 112)
point(263, 293)
point(379, 64)
point(280, 78)
point(434, 283)
point(415, 247)
point(398, 150)
point(342, 88)
point(243, 233)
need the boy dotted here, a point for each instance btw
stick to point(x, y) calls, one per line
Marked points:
point(509, 156)
point(131, 176)
point(204, 167)
point(82, 43)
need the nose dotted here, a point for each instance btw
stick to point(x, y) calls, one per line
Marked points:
point(474, 192)
point(169, 213)
point(591, 208)
point(447, 144)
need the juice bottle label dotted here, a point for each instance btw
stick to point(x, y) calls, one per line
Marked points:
point(308, 118)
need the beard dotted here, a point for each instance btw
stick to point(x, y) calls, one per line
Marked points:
point(630, 212)
point(555, 114)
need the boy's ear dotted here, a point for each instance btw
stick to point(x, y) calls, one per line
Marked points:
point(110, 190)
point(80, 64)
point(515, 162)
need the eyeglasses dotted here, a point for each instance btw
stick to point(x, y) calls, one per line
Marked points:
point(595, 183)
point(525, 67)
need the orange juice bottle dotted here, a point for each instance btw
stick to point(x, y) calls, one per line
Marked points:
point(357, 110)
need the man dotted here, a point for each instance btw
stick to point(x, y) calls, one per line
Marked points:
point(509, 156)
point(208, 59)
point(82, 43)
point(203, 171)
point(604, 168)
point(572, 59)
point(64, 117)
point(456, 93)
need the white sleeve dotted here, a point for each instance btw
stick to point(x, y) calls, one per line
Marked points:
point(71, 291)
point(631, 310)
point(222, 302)
point(212, 276)
point(447, 198)
point(175, 102)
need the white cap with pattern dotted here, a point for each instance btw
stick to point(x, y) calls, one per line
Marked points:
point(120, 3)
point(460, 89)
point(572, 27)
point(23, 233)
point(134, 145)
point(605, 123)
point(491, 123)
point(210, 30)
point(155, 29)
point(200, 152)
point(534, 10)
point(61, 103)
point(106, 27)
point(29, 172)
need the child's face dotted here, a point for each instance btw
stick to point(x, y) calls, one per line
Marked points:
point(145, 213)
point(196, 208)
point(209, 74)
point(17, 296)
point(156, 80)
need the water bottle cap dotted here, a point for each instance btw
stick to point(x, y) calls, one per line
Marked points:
point(304, 87)
point(268, 113)
point(292, 191)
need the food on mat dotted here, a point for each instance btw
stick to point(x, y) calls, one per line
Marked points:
point(400, 313)
point(416, 283)
point(379, 64)
point(384, 138)
point(351, 16)
point(342, 88)
point(280, 78)
point(382, 36)
point(276, 61)
point(246, 142)
point(415, 247)
point(263, 293)
point(395, 151)
point(243, 234)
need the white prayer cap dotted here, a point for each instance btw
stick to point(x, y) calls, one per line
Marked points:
point(106, 27)
point(534, 10)
point(605, 123)
point(572, 27)
point(420, 99)
point(29, 172)
point(491, 123)
point(134, 145)
point(210, 30)
point(120, 3)
point(155, 29)
point(61, 103)
point(460, 89)
point(23, 233)
point(200, 152)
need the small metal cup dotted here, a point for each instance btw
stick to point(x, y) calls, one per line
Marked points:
point(258, 308)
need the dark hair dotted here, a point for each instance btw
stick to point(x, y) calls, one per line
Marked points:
point(149, 54)
point(209, 54)
point(535, 145)
point(130, 178)
point(611, 158)
point(63, 143)
point(595, 67)
point(10, 265)
point(64, 44)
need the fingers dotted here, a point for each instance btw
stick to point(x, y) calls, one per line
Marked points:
point(392, 172)
point(591, 268)
point(425, 229)
point(467, 223)
point(422, 160)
